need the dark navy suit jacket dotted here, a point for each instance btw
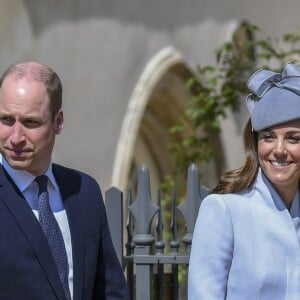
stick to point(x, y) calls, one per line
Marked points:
point(27, 269)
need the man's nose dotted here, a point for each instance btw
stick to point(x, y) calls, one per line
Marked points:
point(17, 134)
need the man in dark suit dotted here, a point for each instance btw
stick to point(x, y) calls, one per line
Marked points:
point(54, 236)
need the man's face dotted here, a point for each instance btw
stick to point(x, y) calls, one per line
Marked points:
point(27, 129)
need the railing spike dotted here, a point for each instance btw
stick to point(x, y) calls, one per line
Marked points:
point(130, 226)
point(159, 244)
point(143, 208)
point(174, 244)
point(189, 209)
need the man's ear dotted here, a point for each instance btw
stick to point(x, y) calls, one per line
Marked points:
point(59, 122)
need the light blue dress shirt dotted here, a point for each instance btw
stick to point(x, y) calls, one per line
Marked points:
point(246, 246)
point(26, 183)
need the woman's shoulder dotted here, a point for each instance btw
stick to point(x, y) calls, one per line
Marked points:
point(231, 201)
point(245, 194)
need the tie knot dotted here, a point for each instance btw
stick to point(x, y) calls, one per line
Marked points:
point(42, 183)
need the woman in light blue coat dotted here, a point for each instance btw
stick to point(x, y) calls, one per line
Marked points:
point(246, 242)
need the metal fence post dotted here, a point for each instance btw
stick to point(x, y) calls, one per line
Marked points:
point(114, 211)
point(143, 211)
point(189, 209)
point(195, 193)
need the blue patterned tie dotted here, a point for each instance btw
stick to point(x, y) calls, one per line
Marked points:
point(52, 232)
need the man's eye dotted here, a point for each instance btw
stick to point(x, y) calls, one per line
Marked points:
point(7, 120)
point(31, 123)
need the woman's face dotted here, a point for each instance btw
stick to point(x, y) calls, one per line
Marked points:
point(279, 155)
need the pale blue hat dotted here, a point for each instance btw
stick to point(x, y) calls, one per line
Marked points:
point(275, 97)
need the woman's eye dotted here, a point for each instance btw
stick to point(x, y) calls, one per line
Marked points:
point(294, 139)
point(268, 137)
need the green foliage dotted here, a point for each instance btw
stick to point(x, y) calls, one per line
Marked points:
point(216, 89)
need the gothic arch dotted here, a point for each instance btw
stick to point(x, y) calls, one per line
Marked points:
point(155, 104)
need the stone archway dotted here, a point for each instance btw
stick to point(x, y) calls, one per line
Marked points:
point(155, 104)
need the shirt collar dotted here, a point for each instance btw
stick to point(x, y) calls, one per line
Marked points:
point(295, 205)
point(23, 179)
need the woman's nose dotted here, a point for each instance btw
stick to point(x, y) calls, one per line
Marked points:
point(280, 148)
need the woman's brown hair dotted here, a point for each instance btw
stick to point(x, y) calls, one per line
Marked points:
point(239, 179)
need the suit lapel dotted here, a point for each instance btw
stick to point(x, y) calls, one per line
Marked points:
point(69, 184)
point(29, 225)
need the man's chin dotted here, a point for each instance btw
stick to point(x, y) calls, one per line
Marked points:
point(18, 163)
